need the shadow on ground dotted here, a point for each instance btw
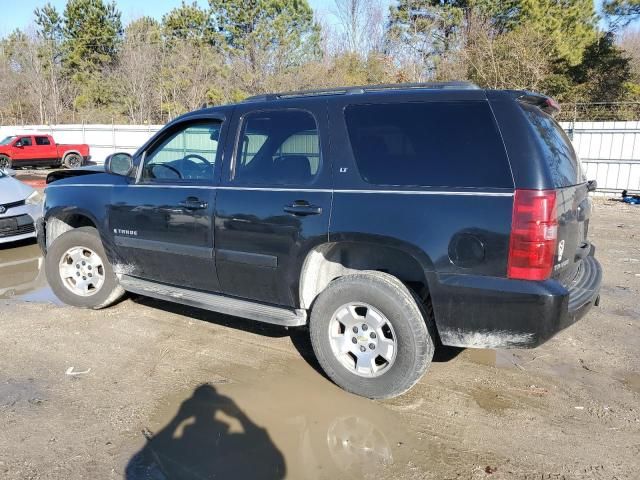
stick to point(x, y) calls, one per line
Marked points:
point(299, 336)
point(203, 441)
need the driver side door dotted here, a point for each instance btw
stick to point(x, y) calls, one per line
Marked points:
point(162, 224)
point(22, 149)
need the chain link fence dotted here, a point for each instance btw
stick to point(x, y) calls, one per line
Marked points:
point(599, 112)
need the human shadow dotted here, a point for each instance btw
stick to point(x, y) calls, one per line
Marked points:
point(209, 437)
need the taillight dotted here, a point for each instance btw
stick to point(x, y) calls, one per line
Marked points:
point(534, 232)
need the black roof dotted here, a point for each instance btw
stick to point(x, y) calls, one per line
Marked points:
point(457, 90)
point(360, 89)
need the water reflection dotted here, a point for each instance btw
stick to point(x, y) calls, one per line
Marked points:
point(22, 270)
point(295, 425)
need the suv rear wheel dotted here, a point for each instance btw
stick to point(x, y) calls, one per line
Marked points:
point(370, 335)
point(78, 270)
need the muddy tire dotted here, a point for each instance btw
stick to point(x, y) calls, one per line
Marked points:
point(79, 272)
point(370, 335)
point(5, 162)
point(72, 160)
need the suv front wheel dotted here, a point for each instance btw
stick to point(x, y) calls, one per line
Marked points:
point(370, 335)
point(78, 270)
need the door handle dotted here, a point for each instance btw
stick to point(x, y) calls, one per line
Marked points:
point(303, 208)
point(193, 203)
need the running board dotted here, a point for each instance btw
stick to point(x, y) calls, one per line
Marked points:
point(216, 303)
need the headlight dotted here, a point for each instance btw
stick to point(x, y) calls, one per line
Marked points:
point(34, 199)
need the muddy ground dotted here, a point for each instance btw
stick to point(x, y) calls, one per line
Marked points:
point(105, 394)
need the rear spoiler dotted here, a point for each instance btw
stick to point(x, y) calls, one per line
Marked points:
point(544, 103)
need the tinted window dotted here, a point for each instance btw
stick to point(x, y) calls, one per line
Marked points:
point(442, 144)
point(25, 141)
point(186, 154)
point(557, 148)
point(279, 147)
point(42, 141)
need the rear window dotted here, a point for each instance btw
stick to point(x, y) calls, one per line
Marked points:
point(558, 151)
point(444, 144)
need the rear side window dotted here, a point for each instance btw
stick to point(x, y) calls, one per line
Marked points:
point(557, 149)
point(278, 147)
point(444, 144)
point(42, 141)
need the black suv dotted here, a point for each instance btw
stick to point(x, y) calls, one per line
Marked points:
point(388, 219)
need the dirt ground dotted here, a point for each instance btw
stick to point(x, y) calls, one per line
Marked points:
point(108, 394)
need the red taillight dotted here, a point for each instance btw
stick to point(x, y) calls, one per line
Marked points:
point(534, 231)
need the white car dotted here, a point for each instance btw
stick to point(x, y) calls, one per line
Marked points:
point(20, 208)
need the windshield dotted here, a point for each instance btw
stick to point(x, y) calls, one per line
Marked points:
point(7, 140)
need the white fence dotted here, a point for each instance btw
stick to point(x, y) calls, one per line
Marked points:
point(610, 151)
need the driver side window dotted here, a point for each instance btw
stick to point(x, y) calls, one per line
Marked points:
point(188, 154)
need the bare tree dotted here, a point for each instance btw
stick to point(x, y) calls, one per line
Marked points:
point(519, 59)
point(630, 43)
point(362, 25)
point(137, 76)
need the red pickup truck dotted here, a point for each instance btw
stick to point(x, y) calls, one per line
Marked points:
point(32, 150)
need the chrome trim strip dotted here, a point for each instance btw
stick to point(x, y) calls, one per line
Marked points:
point(319, 190)
point(431, 192)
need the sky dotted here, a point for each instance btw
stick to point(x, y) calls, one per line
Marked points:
point(19, 14)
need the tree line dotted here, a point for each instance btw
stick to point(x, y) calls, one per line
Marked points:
point(84, 64)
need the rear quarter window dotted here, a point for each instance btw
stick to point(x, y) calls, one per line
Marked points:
point(443, 144)
point(557, 150)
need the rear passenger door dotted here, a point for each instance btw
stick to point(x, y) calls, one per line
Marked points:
point(274, 201)
point(44, 151)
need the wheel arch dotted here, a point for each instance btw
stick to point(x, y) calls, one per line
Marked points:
point(62, 220)
point(329, 261)
point(69, 152)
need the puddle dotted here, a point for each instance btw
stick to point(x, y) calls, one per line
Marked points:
point(632, 381)
point(19, 393)
point(627, 312)
point(497, 358)
point(490, 400)
point(22, 274)
point(296, 425)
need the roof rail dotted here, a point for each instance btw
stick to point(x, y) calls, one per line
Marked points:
point(360, 89)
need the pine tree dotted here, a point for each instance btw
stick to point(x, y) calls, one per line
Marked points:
point(268, 34)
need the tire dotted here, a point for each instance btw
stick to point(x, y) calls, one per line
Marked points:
point(105, 290)
point(5, 162)
point(72, 160)
point(386, 300)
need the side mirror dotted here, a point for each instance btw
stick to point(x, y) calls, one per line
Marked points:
point(592, 185)
point(120, 163)
point(10, 172)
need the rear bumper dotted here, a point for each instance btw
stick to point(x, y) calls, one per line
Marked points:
point(482, 312)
